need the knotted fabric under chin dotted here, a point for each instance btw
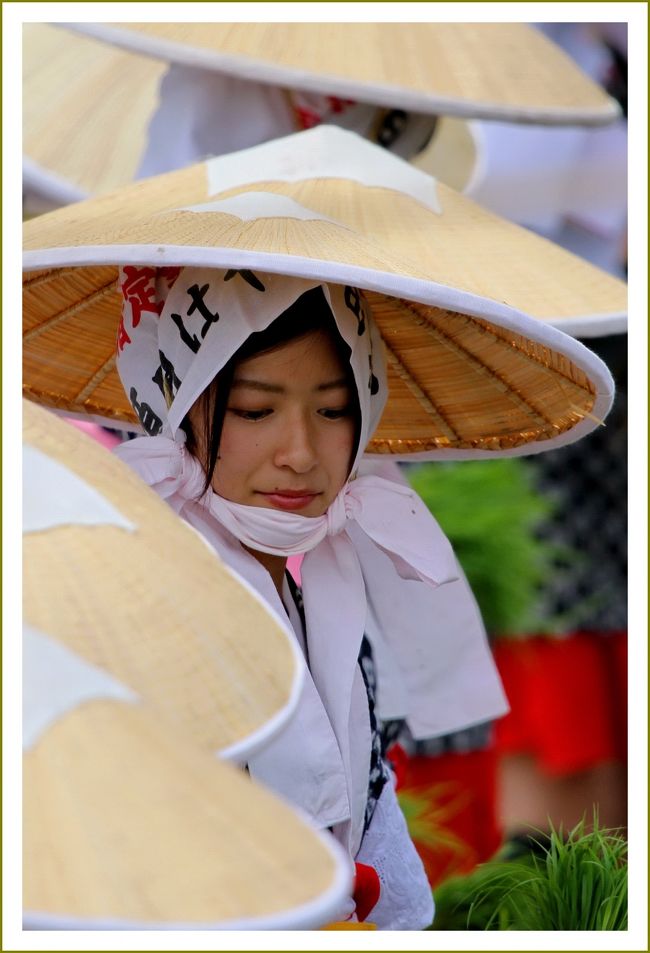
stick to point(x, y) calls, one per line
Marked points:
point(390, 514)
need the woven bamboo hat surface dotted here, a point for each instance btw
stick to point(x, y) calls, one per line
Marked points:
point(459, 156)
point(86, 107)
point(127, 826)
point(468, 375)
point(154, 606)
point(503, 71)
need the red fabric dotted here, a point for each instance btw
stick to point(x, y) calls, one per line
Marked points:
point(307, 118)
point(568, 700)
point(398, 761)
point(338, 105)
point(449, 802)
point(366, 890)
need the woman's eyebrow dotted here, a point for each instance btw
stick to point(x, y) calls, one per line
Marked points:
point(333, 385)
point(279, 389)
point(257, 385)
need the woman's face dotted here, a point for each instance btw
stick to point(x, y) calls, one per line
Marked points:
point(289, 431)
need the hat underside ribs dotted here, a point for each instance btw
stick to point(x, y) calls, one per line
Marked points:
point(456, 381)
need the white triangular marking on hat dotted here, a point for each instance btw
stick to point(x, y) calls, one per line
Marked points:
point(249, 206)
point(55, 496)
point(56, 681)
point(325, 152)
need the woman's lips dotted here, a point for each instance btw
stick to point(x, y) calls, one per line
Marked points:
point(290, 499)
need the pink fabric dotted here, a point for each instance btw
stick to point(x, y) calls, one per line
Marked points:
point(293, 565)
point(98, 433)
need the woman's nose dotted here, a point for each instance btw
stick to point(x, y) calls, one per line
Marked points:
point(296, 448)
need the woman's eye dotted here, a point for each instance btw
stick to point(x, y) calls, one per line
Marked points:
point(249, 414)
point(335, 413)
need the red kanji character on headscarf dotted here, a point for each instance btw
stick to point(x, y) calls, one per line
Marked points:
point(122, 336)
point(139, 290)
point(170, 273)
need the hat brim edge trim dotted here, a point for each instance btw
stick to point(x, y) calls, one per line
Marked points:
point(49, 185)
point(592, 325)
point(399, 286)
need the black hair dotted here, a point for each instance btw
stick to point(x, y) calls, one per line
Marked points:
point(310, 312)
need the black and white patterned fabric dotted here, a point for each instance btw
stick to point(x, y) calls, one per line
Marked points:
point(474, 738)
point(379, 772)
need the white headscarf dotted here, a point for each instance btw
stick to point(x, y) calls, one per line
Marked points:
point(179, 328)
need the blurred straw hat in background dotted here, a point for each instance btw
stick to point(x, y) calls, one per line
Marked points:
point(504, 71)
point(87, 104)
point(86, 107)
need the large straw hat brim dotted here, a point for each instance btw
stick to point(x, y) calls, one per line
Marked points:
point(86, 107)
point(503, 71)
point(468, 374)
point(156, 607)
point(127, 827)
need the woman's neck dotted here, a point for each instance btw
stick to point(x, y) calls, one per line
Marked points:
point(274, 565)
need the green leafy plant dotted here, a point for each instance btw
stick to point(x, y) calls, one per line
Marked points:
point(577, 882)
point(491, 512)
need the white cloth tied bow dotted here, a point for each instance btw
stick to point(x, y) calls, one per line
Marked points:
point(391, 514)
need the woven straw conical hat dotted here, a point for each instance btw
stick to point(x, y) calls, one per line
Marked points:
point(450, 287)
point(111, 573)
point(491, 70)
point(86, 106)
point(126, 825)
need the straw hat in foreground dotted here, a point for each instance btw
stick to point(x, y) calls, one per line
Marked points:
point(505, 71)
point(450, 286)
point(125, 826)
point(112, 574)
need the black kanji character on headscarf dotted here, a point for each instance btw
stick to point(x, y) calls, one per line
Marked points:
point(151, 422)
point(198, 304)
point(353, 302)
point(247, 275)
point(373, 382)
point(190, 339)
point(166, 379)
